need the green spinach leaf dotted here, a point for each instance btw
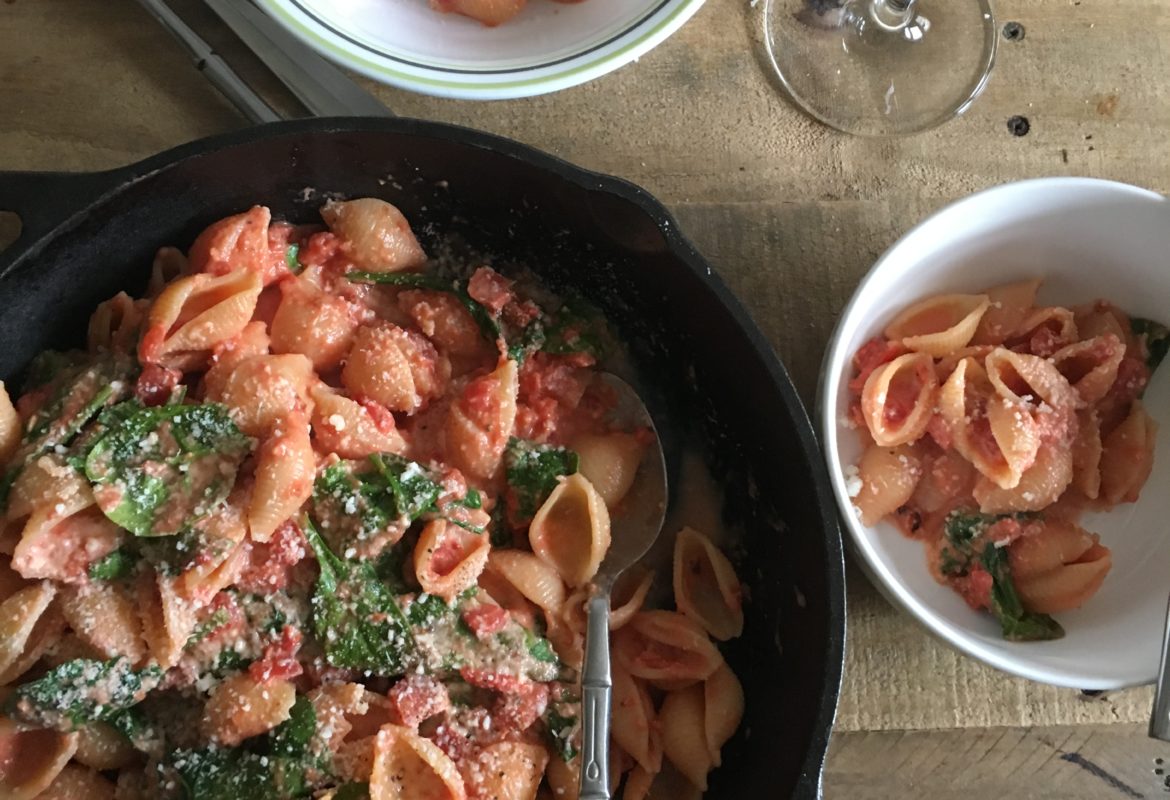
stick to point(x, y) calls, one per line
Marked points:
point(356, 616)
point(291, 258)
point(577, 327)
point(163, 468)
point(1017, 624)
point(561, 721)
point(419, 280)
point(115, 566)
point(80, 691)
point(532, 471)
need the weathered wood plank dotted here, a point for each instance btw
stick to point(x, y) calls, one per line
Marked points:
point(1094, 762)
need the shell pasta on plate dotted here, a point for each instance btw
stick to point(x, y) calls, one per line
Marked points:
point(991, 424)
point(317, 517)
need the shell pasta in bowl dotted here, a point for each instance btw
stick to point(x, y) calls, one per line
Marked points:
point(316, 515)
point(993, 408)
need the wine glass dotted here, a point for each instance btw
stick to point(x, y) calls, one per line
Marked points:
point(881, 67)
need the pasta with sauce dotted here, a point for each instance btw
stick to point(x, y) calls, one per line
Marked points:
point(990, 423)
point(318, 518)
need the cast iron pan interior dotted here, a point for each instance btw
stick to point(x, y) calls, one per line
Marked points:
point(710, 369)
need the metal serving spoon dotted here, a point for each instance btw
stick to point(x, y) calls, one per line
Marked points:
point(632, 533)
point(1160, 713)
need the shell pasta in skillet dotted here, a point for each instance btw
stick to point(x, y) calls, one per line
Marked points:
point(991, 424)
point(317, 517)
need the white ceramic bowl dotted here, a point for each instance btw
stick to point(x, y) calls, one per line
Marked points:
point(547, 47)
point(1087, 239)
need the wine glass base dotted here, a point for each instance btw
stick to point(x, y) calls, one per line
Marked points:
point(857, 68)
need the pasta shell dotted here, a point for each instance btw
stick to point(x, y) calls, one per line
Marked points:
point(345, 427)
point(666, 648)
point(963, 404)
point(481, 421)
point(167, 619)
point(610, 462)
point(264, 390)
point(1090, 366)
point(1040, 486)
point(10, 425)
point(939, 325)
point(638, 782)
point(1009, 305)
point(241, 707)
point(534, 578)
point(889, 476)
point(319, 325)
point(394, 367)
point(285, 471)
point(1033, 382)
point(683, 738)
point(78, 783)
point(238, 243)
point(1057, 568)
point(1086, 454)
point(61, 547)
point(407, 767)
point(628, 595)
point(114, 324)
point(1127, 457)
point(898, 399)
point(104, 617)
point(505, 771)
point(635, 726)
point(375, 234)
point(28, 625)
point(706, 588)
point(33, 759)
point(1044, 331)
point(723, 706)
point(195, 313)
point(45, 482)
point(100, 746)
point(570, 531)
point(448, 559)
point(169, 263)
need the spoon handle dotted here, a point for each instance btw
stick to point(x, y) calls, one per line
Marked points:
point(596, 686)
point(1160, 715)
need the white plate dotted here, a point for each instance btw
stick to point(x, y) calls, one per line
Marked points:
point(547, 47)
point(1087, 239)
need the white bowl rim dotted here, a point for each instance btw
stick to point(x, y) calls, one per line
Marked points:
point(630, 45)
point(859, 541)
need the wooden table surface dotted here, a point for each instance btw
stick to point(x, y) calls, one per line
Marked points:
point(791, 214)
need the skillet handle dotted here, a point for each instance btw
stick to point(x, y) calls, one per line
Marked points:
point(43, 200)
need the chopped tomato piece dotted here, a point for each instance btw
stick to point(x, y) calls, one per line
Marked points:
point(270, 563)
point(870, 356)
point(486, 620)
point(490, 289)
point(418, 697)
point(279, 661)
point(496, 681)
point(155, 384)
point(517, 711)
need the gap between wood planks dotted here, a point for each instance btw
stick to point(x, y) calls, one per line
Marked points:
point(1093, 762)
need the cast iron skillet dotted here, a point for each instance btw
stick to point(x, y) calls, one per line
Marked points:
point(709, 369)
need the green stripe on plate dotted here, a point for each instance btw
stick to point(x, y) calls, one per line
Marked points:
point(344, 55)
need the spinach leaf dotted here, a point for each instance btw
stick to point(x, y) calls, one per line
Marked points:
point(576, 327)
point(356, 616)
point(163, 468)
point(47, 365)
point(532, 471)
point(963, 531)
point(562, 724)
point(115, 566)
point(1018, 625)
point(280, 764)
point(531, 339)
point(80, 691)
point(418, 280)
point(1157, 339)
point(540, 648)
point(291, 254)
point(355, 504)
point(139, 730)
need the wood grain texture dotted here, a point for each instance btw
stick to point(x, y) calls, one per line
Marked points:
point(1091, 762)
point(791, 214)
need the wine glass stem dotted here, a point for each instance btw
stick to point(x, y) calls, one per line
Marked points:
point(893, 14)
